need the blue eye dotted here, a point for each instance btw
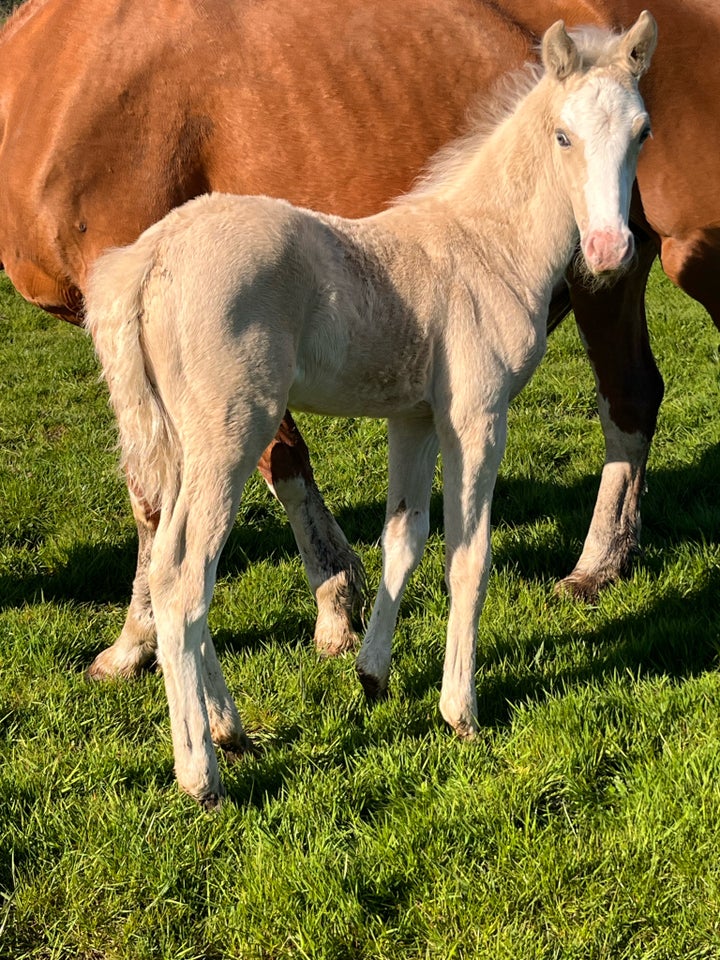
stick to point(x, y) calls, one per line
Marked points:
point(563, 140)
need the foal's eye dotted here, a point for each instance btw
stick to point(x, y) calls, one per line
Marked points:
point(563, 140)
point(644, 134)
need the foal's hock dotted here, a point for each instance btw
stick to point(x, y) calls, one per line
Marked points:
point(431, 314)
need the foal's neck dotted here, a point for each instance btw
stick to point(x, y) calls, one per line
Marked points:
point(508, 192)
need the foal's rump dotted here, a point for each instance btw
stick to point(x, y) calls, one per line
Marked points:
point(190, 323)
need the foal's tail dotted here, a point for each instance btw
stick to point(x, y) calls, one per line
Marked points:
point(114, 311)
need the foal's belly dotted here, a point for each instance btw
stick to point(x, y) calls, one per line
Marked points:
point(378, 384)
point(356, 398)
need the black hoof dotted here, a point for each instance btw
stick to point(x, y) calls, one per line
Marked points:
point(372, 688)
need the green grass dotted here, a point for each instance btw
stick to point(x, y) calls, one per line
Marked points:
point(7, 7)
point(584, 822)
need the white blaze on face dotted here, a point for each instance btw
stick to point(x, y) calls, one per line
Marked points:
point(604, 123)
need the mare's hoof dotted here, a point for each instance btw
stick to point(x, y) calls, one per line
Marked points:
point(109, 665)
point(338, 599)
point(373, 687)
point(335, 643)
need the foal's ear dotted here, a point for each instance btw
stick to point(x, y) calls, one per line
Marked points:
point(638, 44)
point(559, 54)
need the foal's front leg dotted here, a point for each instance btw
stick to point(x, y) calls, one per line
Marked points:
point(413, 448)
point(471, 451)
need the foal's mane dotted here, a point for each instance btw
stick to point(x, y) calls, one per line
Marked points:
point(597, 48)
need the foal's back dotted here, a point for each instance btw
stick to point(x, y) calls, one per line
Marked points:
point(336, 313)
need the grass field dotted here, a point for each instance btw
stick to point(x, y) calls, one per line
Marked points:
point(583, 823)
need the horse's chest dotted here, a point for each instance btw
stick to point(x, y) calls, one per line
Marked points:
point(492, 342)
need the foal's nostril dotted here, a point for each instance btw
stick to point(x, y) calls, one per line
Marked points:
point(606, 250)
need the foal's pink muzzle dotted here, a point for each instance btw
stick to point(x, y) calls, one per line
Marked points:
point(607, 250)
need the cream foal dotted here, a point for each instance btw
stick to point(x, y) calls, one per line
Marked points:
point(431, 314)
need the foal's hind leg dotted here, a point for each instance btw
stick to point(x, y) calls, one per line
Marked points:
point(334, 571)
point(137, 644)
point(226, 728)
point(413, 448)
point(192, 532)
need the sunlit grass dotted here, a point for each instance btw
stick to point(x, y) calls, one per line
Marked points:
point(583, 823)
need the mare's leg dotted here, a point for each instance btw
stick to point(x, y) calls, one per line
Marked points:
point(629, 389)
point(413, 451)
point(136, 646)
point(472, 450)
point(334, 571)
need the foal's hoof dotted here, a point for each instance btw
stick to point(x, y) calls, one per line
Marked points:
point(111, 664)
point(465, 730)
point(373, 688)
point(239, 748)
point(581, 586)
point(460, 715)
point(212, 802)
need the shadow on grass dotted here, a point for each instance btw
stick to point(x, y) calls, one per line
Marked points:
point(677, 636)
point(682, 505)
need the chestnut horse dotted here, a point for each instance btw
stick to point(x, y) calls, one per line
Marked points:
point(114, 112)
point(432, 314)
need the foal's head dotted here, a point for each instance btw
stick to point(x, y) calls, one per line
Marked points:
point(599, 125)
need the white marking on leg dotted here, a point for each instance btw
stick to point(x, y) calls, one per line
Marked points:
point(614, 531)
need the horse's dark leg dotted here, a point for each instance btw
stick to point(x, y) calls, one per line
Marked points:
point(136, 646)
point(613, 328)
point(335, 572)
